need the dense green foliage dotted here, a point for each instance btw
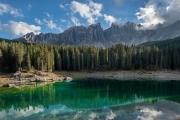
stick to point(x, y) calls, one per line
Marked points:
point(19, 56)
point(161, 43)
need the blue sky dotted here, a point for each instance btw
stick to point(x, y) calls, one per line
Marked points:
point(18, 17)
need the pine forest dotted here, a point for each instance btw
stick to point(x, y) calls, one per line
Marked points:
point(16, 56)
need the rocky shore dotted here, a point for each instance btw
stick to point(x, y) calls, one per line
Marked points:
point(126, 75)
point(38, 76)
point(60, 76)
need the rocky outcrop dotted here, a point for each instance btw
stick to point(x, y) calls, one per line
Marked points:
point(34, 77)
point(49, 38)
point(38, 77)
point(129, 33)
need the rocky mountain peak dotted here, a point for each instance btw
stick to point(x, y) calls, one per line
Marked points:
point(115, 25)
point(131, 25)
point(95, 25)
point(95, 35)
point(29, 37)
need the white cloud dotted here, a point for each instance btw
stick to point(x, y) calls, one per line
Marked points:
point(47, 14)
point(61, 6)
point(29, 6)
point(172, 13)
point(38, 21)
point(63, 20)
point(90, 11)
point(5, 8)
point(50, 24)
point(21, 28)
point(66, 4)
point(75, 21)
point(159, 11)
point(167, 8)
point(149, 15)
point(110, 19)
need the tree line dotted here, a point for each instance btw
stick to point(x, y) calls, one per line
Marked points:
point(16, 56)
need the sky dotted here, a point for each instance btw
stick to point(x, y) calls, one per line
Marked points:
point(19, 17)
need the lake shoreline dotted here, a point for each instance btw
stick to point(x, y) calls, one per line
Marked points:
point(117, 75)
point(124, 75)
point(10, 79)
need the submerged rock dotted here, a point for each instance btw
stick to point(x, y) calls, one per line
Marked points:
point(68, 79)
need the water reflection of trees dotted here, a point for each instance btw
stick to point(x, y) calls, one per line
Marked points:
point(25, 97)
point(89, 94)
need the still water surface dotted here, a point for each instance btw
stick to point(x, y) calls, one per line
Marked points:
point(93, 99)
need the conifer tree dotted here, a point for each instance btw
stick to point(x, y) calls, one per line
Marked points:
point(28, 61)
point(1, 62)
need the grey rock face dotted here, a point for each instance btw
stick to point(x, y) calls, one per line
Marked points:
point(129, 33)
point(49, 38)
point(81, 35)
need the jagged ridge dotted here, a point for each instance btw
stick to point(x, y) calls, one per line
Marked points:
point(129, 33)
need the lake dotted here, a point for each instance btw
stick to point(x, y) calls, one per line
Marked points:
point(92, 99)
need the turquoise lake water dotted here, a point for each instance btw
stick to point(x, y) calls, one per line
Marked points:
point(92, 99)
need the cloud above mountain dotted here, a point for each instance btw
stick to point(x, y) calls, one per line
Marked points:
point(90, 11)
point(50, 24)
point(20, 28)
point(149, 15)
point(57, 16)
point(75, 21)
point(159, 11)
point(111, 19)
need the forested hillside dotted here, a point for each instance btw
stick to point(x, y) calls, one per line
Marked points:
point(162, 43)
point(19, 56)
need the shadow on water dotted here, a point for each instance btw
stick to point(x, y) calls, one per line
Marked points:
point(87, 97)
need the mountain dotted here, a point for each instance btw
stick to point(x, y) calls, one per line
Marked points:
point(81, 35)
point(129, 33)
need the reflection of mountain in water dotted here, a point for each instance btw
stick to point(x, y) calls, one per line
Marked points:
point(89, 94)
